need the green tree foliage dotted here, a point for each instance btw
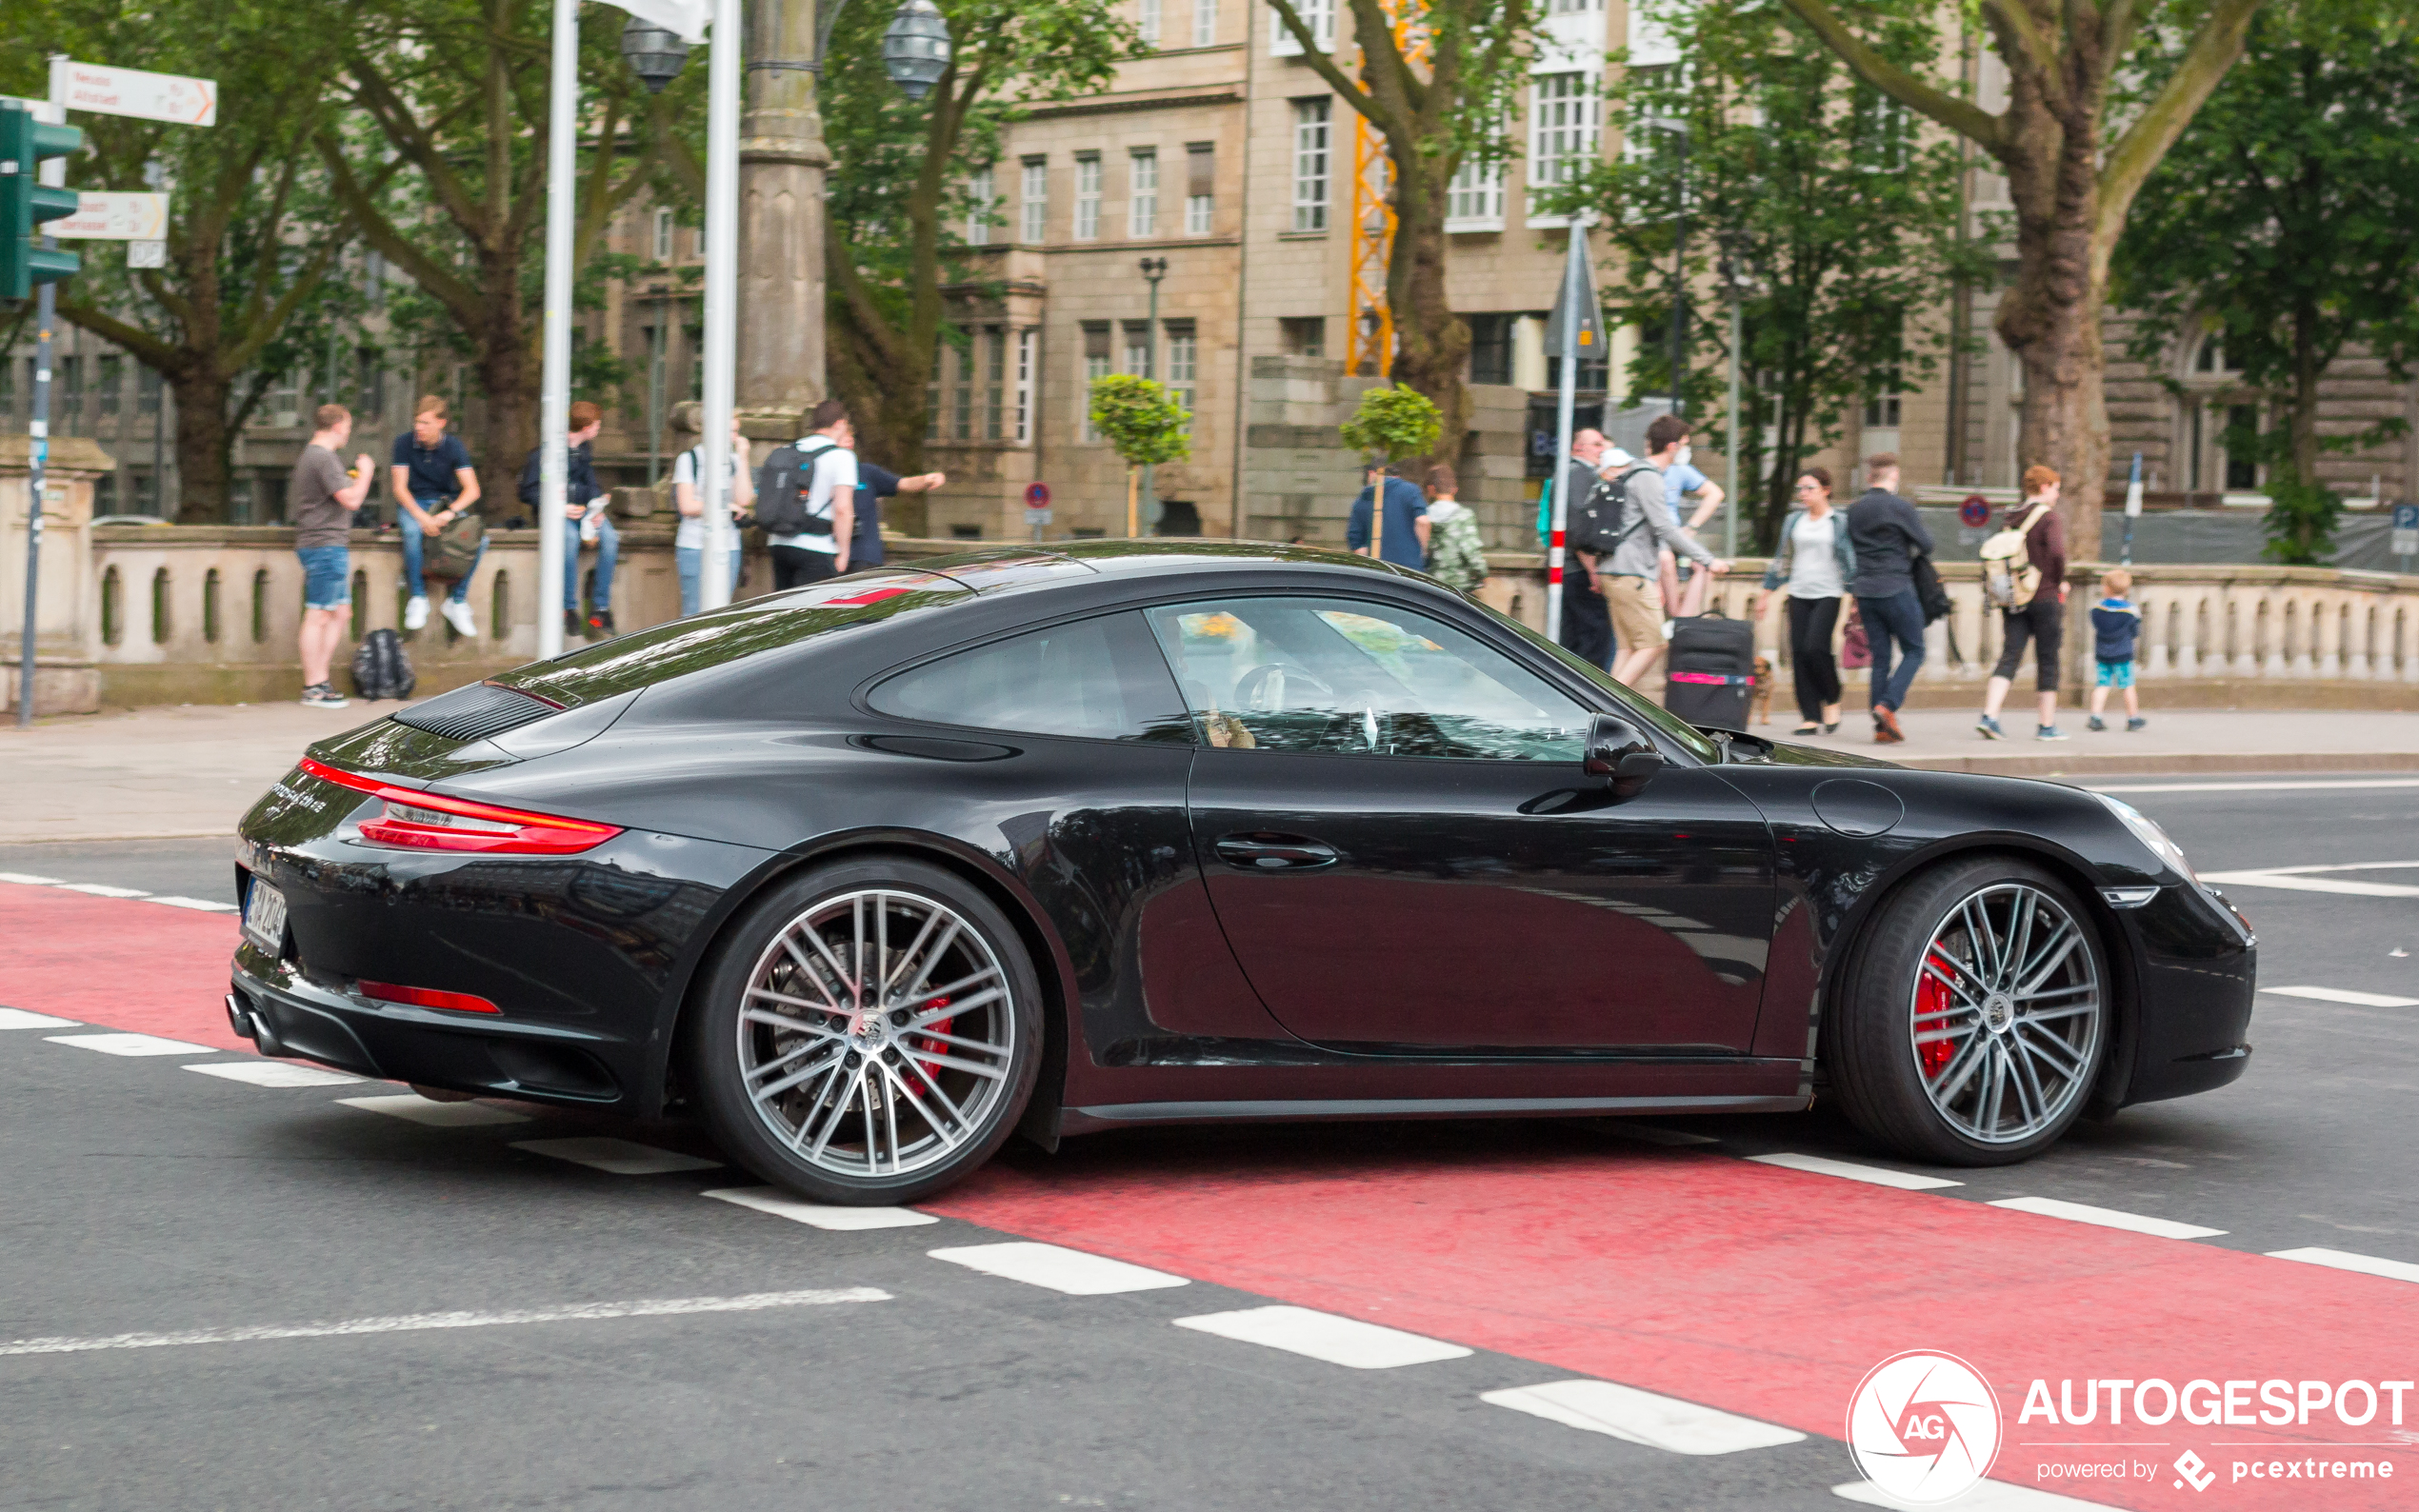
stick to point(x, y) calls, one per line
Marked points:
point(1395, 423)
point(253, 239)
point(1815, 186)
point(2284, 226)
point(897, 200)
point(1141, 419)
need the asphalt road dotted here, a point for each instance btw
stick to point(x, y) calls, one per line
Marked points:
point(139, 1199)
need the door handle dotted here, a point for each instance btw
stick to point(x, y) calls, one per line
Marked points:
point(1263, 851)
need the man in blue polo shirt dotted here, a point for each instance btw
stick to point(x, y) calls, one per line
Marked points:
point(1403, 538)
point(433, 486)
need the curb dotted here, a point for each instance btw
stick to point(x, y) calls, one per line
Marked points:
point(2249, 763)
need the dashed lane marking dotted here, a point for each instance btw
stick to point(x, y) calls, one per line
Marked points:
point(2360, 1000)
point(2254, 787)
point(26, 880)
point(1642, 1417)
point(617, 1156)
point(197, 905)
point(1991, 1496)
point(416, 1323)
point(131, 1044)
point(841, 1220)
point(2107, 1218)
point(100, 889)
point(274, 1073)
point(2345, 1259)
point(436, 1115)
point(1072, 1271)
point(1324, 1336)
point(2298, 880)
point(25, 1019)
point(1824, 1166)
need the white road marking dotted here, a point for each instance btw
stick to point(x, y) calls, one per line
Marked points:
point(1823, 1166)
point(23, 879)
point(132, 1044)
point(2359, 999)
point(842, 1219)
point(2345, 1259)
point(2255, 787)
point(617, 1156)
point(1072, 1271)
point(436, 1115)
point(201, 904)
point(274, 1073)
point(26, 1018)
point(1641, 1417)
point(1991, 1496)
point(1324, 1336)
point(417, 1322)
point(2294, 880)
point(100, 889)
point(2107, 1218)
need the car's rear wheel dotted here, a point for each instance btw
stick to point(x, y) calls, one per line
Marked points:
point(1975, 1015)
point(870, 1034)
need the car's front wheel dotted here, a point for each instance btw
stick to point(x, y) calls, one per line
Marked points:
point(869, 1032)
point(1975, 1016)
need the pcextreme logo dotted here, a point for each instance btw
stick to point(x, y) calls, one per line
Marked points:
point(1924, 1427)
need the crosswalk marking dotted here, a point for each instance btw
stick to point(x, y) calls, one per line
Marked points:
point(2345, 1259)
point(1991, 1496)
point(100, 889)
point(132, 1044)
point(841, 1220)
point(617, 1156)
point(1072, 1271)
point(198, 905)
point(1324, 1336)
point(2363, 1000)
point(1824, 1166)
point(1642, 1417)
point(2107, 1218)
point(24, 1019)
point(274, 1073)
point(436, 1115)
point(28, 879)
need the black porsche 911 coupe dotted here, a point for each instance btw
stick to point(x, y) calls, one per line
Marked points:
point(872, 874)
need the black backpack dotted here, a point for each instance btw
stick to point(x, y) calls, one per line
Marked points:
point(380, 668)
point(783, 485)
point(1600, 524)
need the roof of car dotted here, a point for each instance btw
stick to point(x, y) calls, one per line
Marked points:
point(992, 569)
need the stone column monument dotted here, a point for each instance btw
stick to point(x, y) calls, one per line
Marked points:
point(782, 159)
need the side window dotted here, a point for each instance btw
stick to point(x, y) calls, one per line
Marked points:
point(1098, 679)
point(1356, 677)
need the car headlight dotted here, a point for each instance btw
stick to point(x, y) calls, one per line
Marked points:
point(2147, 830)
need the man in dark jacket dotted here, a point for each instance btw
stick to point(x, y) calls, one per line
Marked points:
point(1889, 536)
point(877, 483)
point(1587, 620)
point(584, 512)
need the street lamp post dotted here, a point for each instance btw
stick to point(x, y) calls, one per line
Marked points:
point(1739, 287)
point(1679, 130)
point(1153, 270)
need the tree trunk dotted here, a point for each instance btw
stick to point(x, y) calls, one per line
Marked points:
point(509, 378)
point(2051, 319)
point(2308, 367)
point(1432, 344)
point(202, 443)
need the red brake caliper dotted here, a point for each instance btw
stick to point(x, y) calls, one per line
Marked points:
point(936, 1026)
point(1935, 1003)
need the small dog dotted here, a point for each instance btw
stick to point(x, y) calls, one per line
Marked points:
point(1761, 699)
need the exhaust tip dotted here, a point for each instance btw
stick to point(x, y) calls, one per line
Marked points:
point(239, 1021)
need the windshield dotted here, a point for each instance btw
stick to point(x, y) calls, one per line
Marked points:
point(1631, 701)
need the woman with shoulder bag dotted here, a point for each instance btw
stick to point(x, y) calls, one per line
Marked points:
point(1817, 561)
point(2032, 602)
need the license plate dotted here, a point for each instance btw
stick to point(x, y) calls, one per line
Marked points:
point(265, 916)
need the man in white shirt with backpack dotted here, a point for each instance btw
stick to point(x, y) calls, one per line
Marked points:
point(805, 500)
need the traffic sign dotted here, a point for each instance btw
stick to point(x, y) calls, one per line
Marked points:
point(1037, 496)
point(2406, 529)
point(115, 218)
point(105, 90)
point(1579, 282)
point(1976, 511)
point(147, 255)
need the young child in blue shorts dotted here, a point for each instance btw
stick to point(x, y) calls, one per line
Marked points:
point(2117, 626)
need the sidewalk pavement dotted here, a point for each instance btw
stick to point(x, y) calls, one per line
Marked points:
point(192, 772)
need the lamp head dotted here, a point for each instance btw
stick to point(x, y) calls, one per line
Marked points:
point(916, 49)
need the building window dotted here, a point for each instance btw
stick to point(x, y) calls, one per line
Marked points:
point(1882, 407)
point(1138, 353)
point(1025, 343)
point(1303, 335)
point(147, 391)
point(1562, 133)
point(660, 238)
point(1490, 349)
point(1184, 361)
point(1095, 368)
point(1147, 21)
point(996, 384)
point(1318, 15)
point(962, 392)
point(1205, 22)
point(283, 406)
point(2211, 359)
point(933, 391)
point(8, 387)
point(1201, 187)
point(1142, 203)
point(1088, 196)
point(1310, 136)
point(1034, 220)
point(1474, 199)
point(2242, 467)
point(71, 388)
point(112, 374)
point(980, 186)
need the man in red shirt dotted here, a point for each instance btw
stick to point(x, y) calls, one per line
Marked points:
point(2041, 619)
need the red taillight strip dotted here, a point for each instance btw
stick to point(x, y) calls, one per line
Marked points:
point(537, 834)
point(426, 998)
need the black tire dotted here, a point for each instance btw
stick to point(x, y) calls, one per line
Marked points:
point(915, 1081)
point(1898, 1061)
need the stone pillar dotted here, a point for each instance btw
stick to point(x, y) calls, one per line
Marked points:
point(782, 159)
point(67, 673)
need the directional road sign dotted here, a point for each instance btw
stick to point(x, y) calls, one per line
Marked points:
point(115, 218)
point(105, 90)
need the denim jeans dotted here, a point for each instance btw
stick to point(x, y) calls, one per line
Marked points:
point(412, 534)
point(1898, 618)
point(608, 550)
point(691, 560)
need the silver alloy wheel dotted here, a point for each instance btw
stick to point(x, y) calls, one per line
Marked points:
point(877, 1034)
point(2007, 1014)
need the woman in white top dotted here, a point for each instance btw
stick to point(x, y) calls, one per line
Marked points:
point(1818, 562)
point(689, 541)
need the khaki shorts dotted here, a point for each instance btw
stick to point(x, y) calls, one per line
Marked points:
point(1637, 612)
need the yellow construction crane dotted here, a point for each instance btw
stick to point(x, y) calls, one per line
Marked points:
point(1369, 342)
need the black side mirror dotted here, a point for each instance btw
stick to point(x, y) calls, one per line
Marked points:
point(1619, 750)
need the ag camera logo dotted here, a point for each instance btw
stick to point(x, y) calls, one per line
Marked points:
point(1924, 1427)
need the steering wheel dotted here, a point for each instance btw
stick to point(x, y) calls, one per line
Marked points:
point(1264, 688)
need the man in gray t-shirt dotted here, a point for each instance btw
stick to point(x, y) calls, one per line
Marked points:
point(322, 502)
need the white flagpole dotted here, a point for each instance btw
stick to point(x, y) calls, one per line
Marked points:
point(1574, 286)
point(722, 291)
point(554, 403)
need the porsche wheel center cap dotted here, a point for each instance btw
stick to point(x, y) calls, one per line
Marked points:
point(1998, 1012)
point(867, 1029)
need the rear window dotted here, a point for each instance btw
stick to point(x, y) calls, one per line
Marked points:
point(665, 651)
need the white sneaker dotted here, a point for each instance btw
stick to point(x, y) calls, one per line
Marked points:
point(457, 613)
point(415, 614)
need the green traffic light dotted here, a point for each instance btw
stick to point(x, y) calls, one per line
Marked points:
point(25, 205)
